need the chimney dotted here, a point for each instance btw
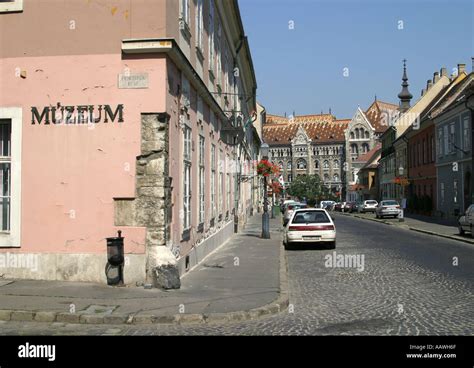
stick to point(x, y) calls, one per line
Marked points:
point(472, 60)
point(429, 84)
point(435, 77)
point(444, 72)
point(423, 91)
point(461, 68)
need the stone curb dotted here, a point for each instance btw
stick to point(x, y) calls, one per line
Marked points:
point(452, 237)
point(276, 307)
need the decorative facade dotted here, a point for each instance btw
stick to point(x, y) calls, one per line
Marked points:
point(307, 145)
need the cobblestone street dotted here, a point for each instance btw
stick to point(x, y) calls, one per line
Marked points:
point(408, 286)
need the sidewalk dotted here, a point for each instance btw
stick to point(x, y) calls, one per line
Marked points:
point(243, 279)
point(423, 224)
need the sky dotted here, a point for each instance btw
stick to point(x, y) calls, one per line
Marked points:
point(341, 53)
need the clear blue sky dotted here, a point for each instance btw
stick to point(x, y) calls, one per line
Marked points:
point(301, 70)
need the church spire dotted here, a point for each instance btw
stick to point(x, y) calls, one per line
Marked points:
point(405, 96)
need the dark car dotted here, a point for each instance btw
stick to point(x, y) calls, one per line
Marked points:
point(350, 207)
point(338, 207)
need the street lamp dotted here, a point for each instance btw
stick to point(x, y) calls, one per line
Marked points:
point(264, 148)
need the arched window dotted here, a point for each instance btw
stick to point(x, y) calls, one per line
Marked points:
point(367, 134)
point(357, 133)
point(326, 165)
point(288, 165)
point(354, 149)
point(335, 177)
point(352, 135)
point(336, 164)
point(281, 165)
point(365, 148)
point(316, 164)
point(326, 177)
point(301, 164)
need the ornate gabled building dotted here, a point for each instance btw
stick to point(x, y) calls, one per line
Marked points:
point(362, 134)
point(308, 144)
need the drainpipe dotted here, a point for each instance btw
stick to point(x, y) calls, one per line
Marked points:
point(469, 103)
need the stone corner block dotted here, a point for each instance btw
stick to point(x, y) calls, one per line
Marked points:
point(68, 317)
point(22, 316)
point(45, 316)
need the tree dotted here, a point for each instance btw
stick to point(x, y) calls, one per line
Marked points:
point(309, 187)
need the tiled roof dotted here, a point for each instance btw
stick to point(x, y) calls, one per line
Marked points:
point(319, 128)
point(375, 114)
point(367, 156)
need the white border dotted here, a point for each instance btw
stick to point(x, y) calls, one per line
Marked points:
point(14, 6)
point(12, 239)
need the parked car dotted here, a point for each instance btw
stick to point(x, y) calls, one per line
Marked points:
point(368, 206)
point(308, 226)
point(350, 207)
point(339, 206)
point(387, 208)
point(285, 203)
point(327, 205)
point(290, 208)
point(466, 221)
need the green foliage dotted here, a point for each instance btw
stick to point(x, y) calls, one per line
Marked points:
point(309, 187)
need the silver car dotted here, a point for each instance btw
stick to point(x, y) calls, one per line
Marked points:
point(290, 208)
point(387, 208)
point(466, 221)
point(368, 206)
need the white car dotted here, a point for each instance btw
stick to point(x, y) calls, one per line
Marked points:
point(368, 206)
point(387, 208)
point(310, 225)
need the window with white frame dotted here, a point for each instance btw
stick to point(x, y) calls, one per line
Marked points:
point(187, 178)
point(7, 6)
point(220, 188)
point(10, 176)
point(228, 191)
point(439, 143)
point(433, 158)
point(446, 139)
point(199, 25)
point(218, 54)
point(185, 93)
point(452, 137)
point(213, 180)
point(201, 178)
point(466, 134)
point(5, 173)
point(184, 11)
point(211, 35)
point(455, 191)
point(200, 111)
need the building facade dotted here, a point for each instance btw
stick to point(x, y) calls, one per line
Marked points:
point(362, 136)
point(308, 145)
point(453, 135)
point(143, 126)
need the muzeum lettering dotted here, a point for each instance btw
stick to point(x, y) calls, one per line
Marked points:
point(81, 114)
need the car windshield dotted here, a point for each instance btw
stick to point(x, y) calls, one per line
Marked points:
point(371, 202)
point(390, 203)
point(310, 217)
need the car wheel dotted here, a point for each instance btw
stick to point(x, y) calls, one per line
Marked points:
point(332, 245)
point(287, 245)
point(472, 234)
point(461, 230)
point(377, 215)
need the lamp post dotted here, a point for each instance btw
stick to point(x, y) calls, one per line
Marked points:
point(265, 217)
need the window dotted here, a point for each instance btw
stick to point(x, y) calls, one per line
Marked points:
point(433, 158)
point(5, 173)
point(466, 134)
point(213, 180)
point(451, 138)
point(367, 135)
point(455, 191)
point(446, 139)
point(316, 164)
point(365, 148)
point(326, 165)
point(352, 135)
point(326, 177)
point(336, 164)
point(199, 25)
point(201, 179)
point(439, 143)
point(219, 54)
point(211, 35)
point(10, 176)
point(301, 164)
point(425, 152)
point(354, 149)
point(185, 12)
point(187, 178)
point(357, 133)
point(200, 115)
point(288, 165)
point(228, 191)
point(335, 177)
point(220, 189)
point(185, 92)
point(441, 191)
point(290, 178)
point(7, 6)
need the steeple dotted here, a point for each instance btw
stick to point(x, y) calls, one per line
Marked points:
point(405, 96)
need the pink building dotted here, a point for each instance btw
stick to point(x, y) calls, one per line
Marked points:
point(111, 118)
